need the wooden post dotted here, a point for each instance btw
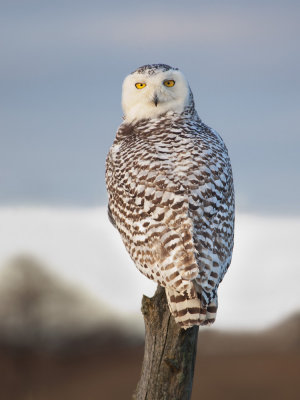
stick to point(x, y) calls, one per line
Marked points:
point(170, 353)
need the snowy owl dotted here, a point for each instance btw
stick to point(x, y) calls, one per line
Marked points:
point(171, 195)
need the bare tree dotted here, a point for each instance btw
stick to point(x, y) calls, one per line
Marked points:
point(170, 353)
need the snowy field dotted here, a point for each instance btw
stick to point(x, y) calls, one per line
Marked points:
point(80, 246)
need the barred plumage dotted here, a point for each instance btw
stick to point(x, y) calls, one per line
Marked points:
point(171, 195)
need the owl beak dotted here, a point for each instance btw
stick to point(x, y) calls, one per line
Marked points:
point(155, 100)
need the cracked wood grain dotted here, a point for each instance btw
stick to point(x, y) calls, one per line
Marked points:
point(170, 353)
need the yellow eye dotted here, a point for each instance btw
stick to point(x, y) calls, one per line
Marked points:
point(140, 85)
point(169, 83)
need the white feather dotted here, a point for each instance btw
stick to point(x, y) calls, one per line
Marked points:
point(138, 103)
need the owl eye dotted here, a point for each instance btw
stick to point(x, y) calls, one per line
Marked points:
point(140, 85)
point(169, 83)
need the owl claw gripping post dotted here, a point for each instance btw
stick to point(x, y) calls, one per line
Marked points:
point(171, 196)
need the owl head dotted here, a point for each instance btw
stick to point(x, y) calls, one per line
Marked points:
point(154, 90)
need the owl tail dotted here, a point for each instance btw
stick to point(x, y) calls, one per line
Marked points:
point(188, 310)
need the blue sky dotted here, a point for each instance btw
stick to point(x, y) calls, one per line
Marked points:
point(61, 70)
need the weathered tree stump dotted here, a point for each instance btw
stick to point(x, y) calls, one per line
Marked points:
point(170, 353)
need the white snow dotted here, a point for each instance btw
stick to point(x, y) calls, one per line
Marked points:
point(80, 245)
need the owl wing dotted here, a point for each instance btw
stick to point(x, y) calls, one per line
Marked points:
point(212, 210)
point(170, 208)
point(150, 207)
point(110, 217)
